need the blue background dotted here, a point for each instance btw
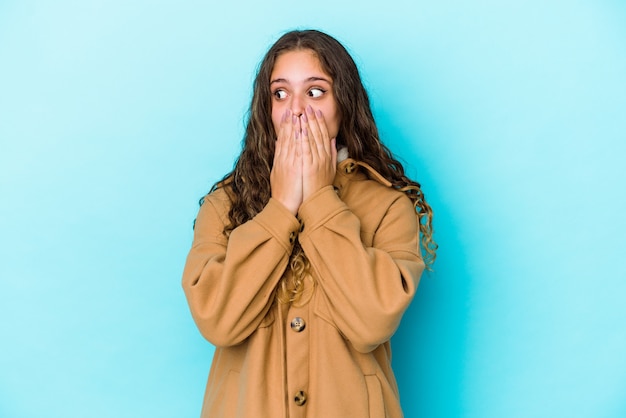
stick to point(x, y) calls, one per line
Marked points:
point(117, 116)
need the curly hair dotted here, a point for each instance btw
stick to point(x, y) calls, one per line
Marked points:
point(248, 184)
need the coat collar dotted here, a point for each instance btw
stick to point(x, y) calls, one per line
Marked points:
point(352, 170)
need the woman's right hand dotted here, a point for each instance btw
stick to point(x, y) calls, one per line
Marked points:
point(286, 175)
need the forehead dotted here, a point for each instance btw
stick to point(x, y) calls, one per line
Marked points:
point(298, 65)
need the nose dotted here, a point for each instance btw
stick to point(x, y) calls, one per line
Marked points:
point(297, 106)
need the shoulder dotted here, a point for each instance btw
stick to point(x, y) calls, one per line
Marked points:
point(359, 182)
point(217, 203)
point(219, 196)
point(370, 196)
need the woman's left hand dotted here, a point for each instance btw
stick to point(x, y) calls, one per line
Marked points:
point(319, 153)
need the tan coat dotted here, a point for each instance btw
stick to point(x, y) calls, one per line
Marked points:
point(329, 358)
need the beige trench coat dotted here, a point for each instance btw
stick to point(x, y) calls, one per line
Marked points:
point(330, 357)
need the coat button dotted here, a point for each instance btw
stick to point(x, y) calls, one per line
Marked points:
point(301, 226)
point(298, 324)
point(292, 237)
point(300, 398)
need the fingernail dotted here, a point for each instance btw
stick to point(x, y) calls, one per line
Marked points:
point(304, 118)
point(309, 109)
point(305, 132)
point(319, 113)
point(294, 119)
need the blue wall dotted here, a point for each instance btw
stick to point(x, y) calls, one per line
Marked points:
point(116, 116)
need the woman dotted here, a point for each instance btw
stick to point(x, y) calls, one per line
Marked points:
point(307, 254)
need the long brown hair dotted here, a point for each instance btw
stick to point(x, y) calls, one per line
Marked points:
point(248, 185)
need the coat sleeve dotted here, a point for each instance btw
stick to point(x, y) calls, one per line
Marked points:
point(367, 289)
point(229, 282)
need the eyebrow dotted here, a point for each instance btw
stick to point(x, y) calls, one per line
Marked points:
point(308, 80)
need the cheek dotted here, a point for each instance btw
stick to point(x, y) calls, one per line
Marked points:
point(332, 116)
point(276, 117)
point(333, 124)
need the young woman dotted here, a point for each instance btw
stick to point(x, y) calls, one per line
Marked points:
point(307, 254)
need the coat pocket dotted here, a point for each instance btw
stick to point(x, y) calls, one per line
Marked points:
point(375, 397)
point(322, 310)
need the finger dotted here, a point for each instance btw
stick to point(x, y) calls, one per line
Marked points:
point(321, 122)
point(316, 134)
point(308, 138)
point(283, 135)
point(287, 126)
point(318, 124)
point(298, 124)
point(294, 137)
point(307, 147)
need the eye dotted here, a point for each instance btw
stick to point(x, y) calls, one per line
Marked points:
point(316, 92)
point(280, 94)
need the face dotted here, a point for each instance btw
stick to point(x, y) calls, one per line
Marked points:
point(297, 81)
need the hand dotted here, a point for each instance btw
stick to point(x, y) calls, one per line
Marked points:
point(286, 174)
point(319, 153)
